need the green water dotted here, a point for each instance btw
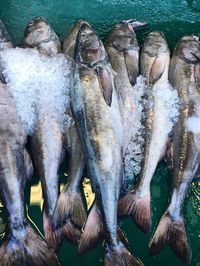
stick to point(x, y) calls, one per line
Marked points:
point(175, 18)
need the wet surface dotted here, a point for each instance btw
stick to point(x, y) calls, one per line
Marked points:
point(175, 18)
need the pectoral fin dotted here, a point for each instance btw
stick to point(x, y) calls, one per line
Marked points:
point(131, 61)
point(157, 69)
point(106, 84)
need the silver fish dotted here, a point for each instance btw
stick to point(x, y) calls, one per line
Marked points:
point(97, 115)
point(70, 212)
point(184, 151)
point(154, 64)
point(21, 244)
point(47, 139)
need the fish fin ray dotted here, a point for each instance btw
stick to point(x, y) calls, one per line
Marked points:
point(131, 62)
point(138, 207)
point(171, 233)
point(120, 256)
point(69, 206)
point(92, 231)
point(29, 250)
point(106, 84)
point(157, 70)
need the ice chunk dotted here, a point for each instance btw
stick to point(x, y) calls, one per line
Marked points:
point(36, 83)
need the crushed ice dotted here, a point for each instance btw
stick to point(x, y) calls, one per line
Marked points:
point(170, 102)
point(36, 83)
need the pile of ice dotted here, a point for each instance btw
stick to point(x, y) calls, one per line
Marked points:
point(168, 99)
point(37, 84)
point(133, 155)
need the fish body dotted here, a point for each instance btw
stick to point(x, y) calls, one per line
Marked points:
point(47, 139)
point(123, 52)
point(70, 212)
point(154, 64)
point(97, 115)
point(21, 245)
point(184, 151)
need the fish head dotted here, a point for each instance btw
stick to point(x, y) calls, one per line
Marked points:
point(123, 37)
point(155, 44)
point(40, 36)
point(70, 38)
point(89, 48)
point(188, 49)
point(5, 40)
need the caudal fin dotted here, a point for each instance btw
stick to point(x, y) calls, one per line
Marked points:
point(69, 214)
point(171, 232)
point(119, 256)
point(138, 207)
point(25, 247)
point(53, 237)
point(92, 231)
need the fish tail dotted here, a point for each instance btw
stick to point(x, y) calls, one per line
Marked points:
point(69, 214)
point(53, 237)
point(138, 207)
point(119, 256)
point(92, 231)
point(171, 232)
point(26, 247)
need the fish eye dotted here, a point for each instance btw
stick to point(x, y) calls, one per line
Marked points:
point(31, 23)
point(83, 34)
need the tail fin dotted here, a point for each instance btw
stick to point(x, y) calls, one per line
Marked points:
point(69, 214)
point(52, 237)
point(120, 256)
point(92, 231)
point(172, 233)
point(25, 247)
point(138, 207)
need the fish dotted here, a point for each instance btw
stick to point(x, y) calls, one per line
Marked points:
point(47, 139)
point(123, 52)
point(21, 244)
point(97, 115)
point(70, 213)
point(184, 148)
point(40, 35)
point(154, 64)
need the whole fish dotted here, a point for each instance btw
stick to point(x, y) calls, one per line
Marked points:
point(184, 151)
point(47, 139)
point(123, 52)
point(96, 112)
point(154, 64)
point(70, 213)
point(21, 244)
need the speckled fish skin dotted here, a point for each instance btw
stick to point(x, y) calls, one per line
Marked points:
point(123, 52)
point(154, 64)
point(47, 139)
point(96, 112)
point(70, 212)
point(39, 35)
point(184, 151)
point(21, 246)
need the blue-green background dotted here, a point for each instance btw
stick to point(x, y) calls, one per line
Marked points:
point(175, 18)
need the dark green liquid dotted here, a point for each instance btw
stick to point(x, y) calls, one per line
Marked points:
point(175, 18)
